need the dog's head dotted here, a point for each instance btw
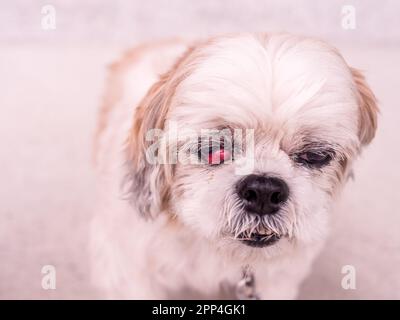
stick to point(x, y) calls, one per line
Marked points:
point(287, 115)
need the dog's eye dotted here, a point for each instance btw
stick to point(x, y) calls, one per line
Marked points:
point(218, 156)
point(214, 155)
point(316, 159)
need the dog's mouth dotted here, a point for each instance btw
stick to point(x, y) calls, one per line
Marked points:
point(259, 239)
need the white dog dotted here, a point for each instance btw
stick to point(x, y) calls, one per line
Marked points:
point(203, 229)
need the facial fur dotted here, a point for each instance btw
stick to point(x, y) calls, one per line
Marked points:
point(311, 115)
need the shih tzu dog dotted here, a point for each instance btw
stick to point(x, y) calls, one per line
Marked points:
point(219, 162)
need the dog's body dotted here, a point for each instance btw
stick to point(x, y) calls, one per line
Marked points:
point(181, 236)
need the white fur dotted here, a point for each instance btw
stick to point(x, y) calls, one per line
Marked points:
point(284, 87)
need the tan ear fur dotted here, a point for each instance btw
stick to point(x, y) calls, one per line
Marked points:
point(150, 183)
point(368, 108)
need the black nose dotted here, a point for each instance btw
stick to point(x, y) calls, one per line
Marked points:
point(262, 195)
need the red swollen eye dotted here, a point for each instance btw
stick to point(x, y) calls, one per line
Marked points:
point(218, 156)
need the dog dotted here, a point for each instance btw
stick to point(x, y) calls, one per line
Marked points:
point(205, 223)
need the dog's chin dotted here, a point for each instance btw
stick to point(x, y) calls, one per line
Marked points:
point(253, 247)
point(259, 239)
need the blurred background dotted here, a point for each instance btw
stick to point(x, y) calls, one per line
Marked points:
point(52, 73)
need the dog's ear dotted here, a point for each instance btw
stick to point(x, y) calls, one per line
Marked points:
point(368, 109)
point(150, 182)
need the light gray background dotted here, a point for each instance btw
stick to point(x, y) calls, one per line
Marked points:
point(50, 88)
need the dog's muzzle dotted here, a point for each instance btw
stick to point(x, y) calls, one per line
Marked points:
point(263, 196)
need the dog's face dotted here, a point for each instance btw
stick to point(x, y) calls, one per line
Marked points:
point(289, 107)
